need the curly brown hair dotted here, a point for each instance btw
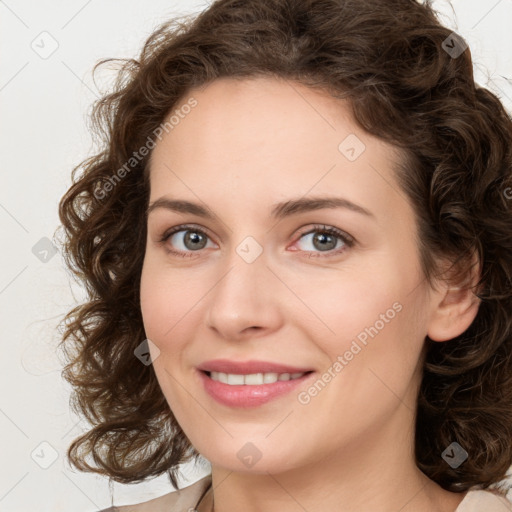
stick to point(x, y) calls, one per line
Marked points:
point(392, 60)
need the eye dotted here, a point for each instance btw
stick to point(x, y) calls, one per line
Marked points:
point(325, 239)
point(190, 239)
point(187, 238)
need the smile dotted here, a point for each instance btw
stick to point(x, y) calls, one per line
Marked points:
point(253, 379)
point(236, 390)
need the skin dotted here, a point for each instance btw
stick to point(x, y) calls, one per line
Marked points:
point(247, 145)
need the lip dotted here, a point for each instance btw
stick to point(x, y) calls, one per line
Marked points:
point(246, 396)
point(248, 367)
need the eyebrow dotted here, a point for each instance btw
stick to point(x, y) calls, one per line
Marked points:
point(279, 210)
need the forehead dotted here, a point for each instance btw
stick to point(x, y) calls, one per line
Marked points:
point(269, 138)
point(261, 115)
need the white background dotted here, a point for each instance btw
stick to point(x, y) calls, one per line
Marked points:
point(44, 104)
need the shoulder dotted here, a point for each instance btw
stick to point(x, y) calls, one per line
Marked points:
point(178, 501)
point(488, 500)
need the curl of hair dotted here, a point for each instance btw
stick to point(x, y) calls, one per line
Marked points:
point(387, 58)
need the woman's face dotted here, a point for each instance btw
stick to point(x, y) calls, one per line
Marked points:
point(256, 279)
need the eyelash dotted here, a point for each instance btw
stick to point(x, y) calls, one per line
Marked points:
point(344, 237)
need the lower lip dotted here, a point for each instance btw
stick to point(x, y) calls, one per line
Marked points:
point(248, 396)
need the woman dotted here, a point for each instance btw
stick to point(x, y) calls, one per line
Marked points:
point(297, 247)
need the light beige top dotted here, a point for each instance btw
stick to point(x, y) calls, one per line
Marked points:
point(198, 497)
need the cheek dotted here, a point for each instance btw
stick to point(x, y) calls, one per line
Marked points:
point(159, 304)
point(170, 304)
point(164, 309)
point(382, 355)
point(343, 308)
point(375, 323)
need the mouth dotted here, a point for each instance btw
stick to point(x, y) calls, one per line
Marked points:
point(253, 379)
point(244, 388)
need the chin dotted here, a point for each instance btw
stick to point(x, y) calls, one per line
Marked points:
point(250, 457)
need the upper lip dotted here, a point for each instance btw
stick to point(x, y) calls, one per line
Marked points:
point(248, 367)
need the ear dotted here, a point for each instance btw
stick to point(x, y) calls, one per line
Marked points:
point(454, 305)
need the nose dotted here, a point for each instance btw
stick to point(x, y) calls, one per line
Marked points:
point(245, 301)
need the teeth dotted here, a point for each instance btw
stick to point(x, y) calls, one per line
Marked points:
point(234, 379)
point(269, 378)
point(253, 379)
